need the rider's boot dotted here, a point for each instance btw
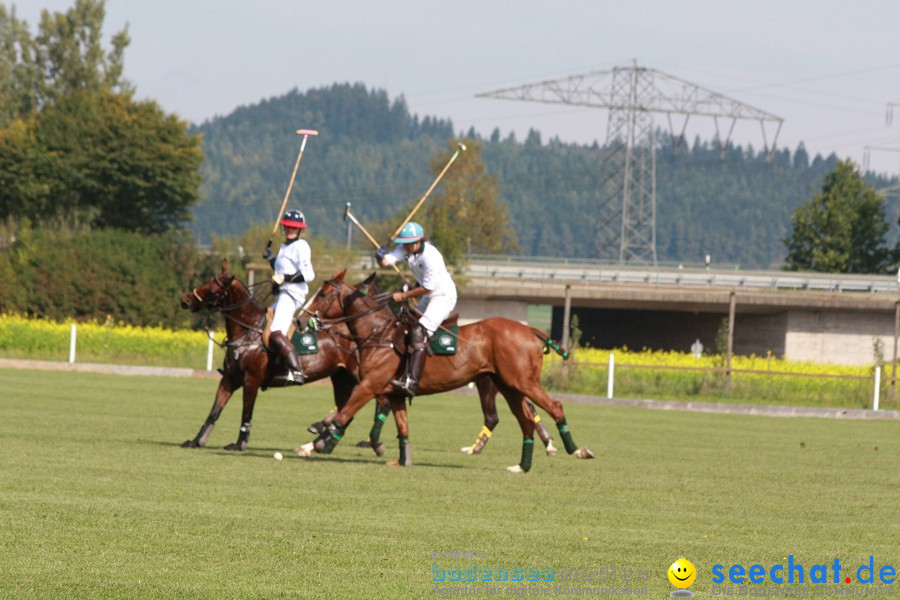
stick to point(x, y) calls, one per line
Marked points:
point(285, 348)
point(415, 361)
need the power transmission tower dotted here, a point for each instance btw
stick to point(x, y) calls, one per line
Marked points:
point(891, 190)
point(626, 221)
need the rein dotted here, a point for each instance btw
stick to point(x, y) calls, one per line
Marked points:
point(381, 301)
point(362, 343)
point(211, 305)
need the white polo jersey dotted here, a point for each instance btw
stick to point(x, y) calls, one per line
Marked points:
point(293, 257)
point(428, 267)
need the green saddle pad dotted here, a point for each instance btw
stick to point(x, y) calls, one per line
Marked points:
point(443, 342)
point(306, 342)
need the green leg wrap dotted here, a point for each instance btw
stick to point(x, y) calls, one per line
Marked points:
point(566, 436)
point(405, 451)
point(329, 438)
point(381, 413)
point(527, 449)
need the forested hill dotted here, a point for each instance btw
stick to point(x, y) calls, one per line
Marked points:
point(372, 152)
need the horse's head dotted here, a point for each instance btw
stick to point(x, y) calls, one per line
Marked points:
point(212, 294)
point(329, 301)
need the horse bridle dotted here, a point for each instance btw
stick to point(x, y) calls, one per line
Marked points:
point(380, 302)
point(212, 302)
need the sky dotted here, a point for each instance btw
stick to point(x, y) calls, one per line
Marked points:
point(829, 68)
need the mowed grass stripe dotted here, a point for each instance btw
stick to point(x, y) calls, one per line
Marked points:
point(98, 501)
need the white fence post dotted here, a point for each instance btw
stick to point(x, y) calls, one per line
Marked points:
point(612, 369)
point(209, 355)
point(72, 337)
point(877, 388)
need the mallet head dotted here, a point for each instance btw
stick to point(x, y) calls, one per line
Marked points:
point(312, 132)
point(346, 211)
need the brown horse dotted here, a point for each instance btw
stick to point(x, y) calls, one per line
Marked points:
point(487, 393)
point(247, 362)
point(507, 351)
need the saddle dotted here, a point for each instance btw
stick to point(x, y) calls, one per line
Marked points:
point(399, 337)
point(305, 340)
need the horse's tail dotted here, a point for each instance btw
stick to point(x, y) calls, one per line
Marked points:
point(549, 343)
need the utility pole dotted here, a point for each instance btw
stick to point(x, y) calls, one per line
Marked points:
point(626, 215)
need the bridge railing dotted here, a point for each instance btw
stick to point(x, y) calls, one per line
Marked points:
point(571, 271)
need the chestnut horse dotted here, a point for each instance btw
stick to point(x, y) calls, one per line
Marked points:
point(487, 393)
point(247, 361)
point(507, 351)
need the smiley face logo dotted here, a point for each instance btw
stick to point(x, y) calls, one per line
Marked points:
point(682, 573)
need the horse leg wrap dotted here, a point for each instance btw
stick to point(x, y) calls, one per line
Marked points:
point(566, 436)
point(327, 440)
point(527, 450)
point(381, 413)
point(244, 436)
point(205, 431)
point(542, 431)
point(481, 440)
point(405, 451)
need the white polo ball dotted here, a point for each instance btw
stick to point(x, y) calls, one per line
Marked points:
point(278, 456)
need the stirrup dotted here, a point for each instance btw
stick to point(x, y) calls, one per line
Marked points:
point(403, 385)
point(291, 376)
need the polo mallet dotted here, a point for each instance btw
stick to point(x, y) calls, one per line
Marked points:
point(460, 148)
point(305, 133)
point(349, 215)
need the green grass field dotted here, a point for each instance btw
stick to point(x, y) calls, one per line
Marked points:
point(98, 501)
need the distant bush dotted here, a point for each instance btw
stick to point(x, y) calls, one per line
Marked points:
point(91, 275)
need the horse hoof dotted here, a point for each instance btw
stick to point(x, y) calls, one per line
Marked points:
point(305, 451)
point(316, 428)
point(235, 447)
point(190, 444)
point(515, 469)
point(583, 453)
point(394, 463)
point(379, 449)
point(551, 449)
point(364, 444)
point(466, 450)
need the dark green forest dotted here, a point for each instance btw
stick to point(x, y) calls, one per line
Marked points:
point(372, 152)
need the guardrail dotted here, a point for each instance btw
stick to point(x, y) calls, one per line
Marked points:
point(494, 268)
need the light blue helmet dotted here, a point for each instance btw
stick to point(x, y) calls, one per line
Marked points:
point(411, 232)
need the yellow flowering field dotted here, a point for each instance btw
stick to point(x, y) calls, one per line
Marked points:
point(684, 359)
point(666, 375)
point(638, 374)
point(105, 342)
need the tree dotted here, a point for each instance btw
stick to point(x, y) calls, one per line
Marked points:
point(466, 215)
point(101, 159)
point(65, 56)
point(73, 143)
point(840, 230)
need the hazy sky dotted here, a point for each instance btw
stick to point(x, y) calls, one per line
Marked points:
point(829, 68)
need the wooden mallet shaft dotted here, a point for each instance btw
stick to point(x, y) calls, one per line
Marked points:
point(305, 133)
point(460, 148)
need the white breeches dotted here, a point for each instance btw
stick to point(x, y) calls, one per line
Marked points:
point(285, 308)
point(435, 309)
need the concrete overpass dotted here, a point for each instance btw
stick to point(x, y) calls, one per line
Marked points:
point(802, 316)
